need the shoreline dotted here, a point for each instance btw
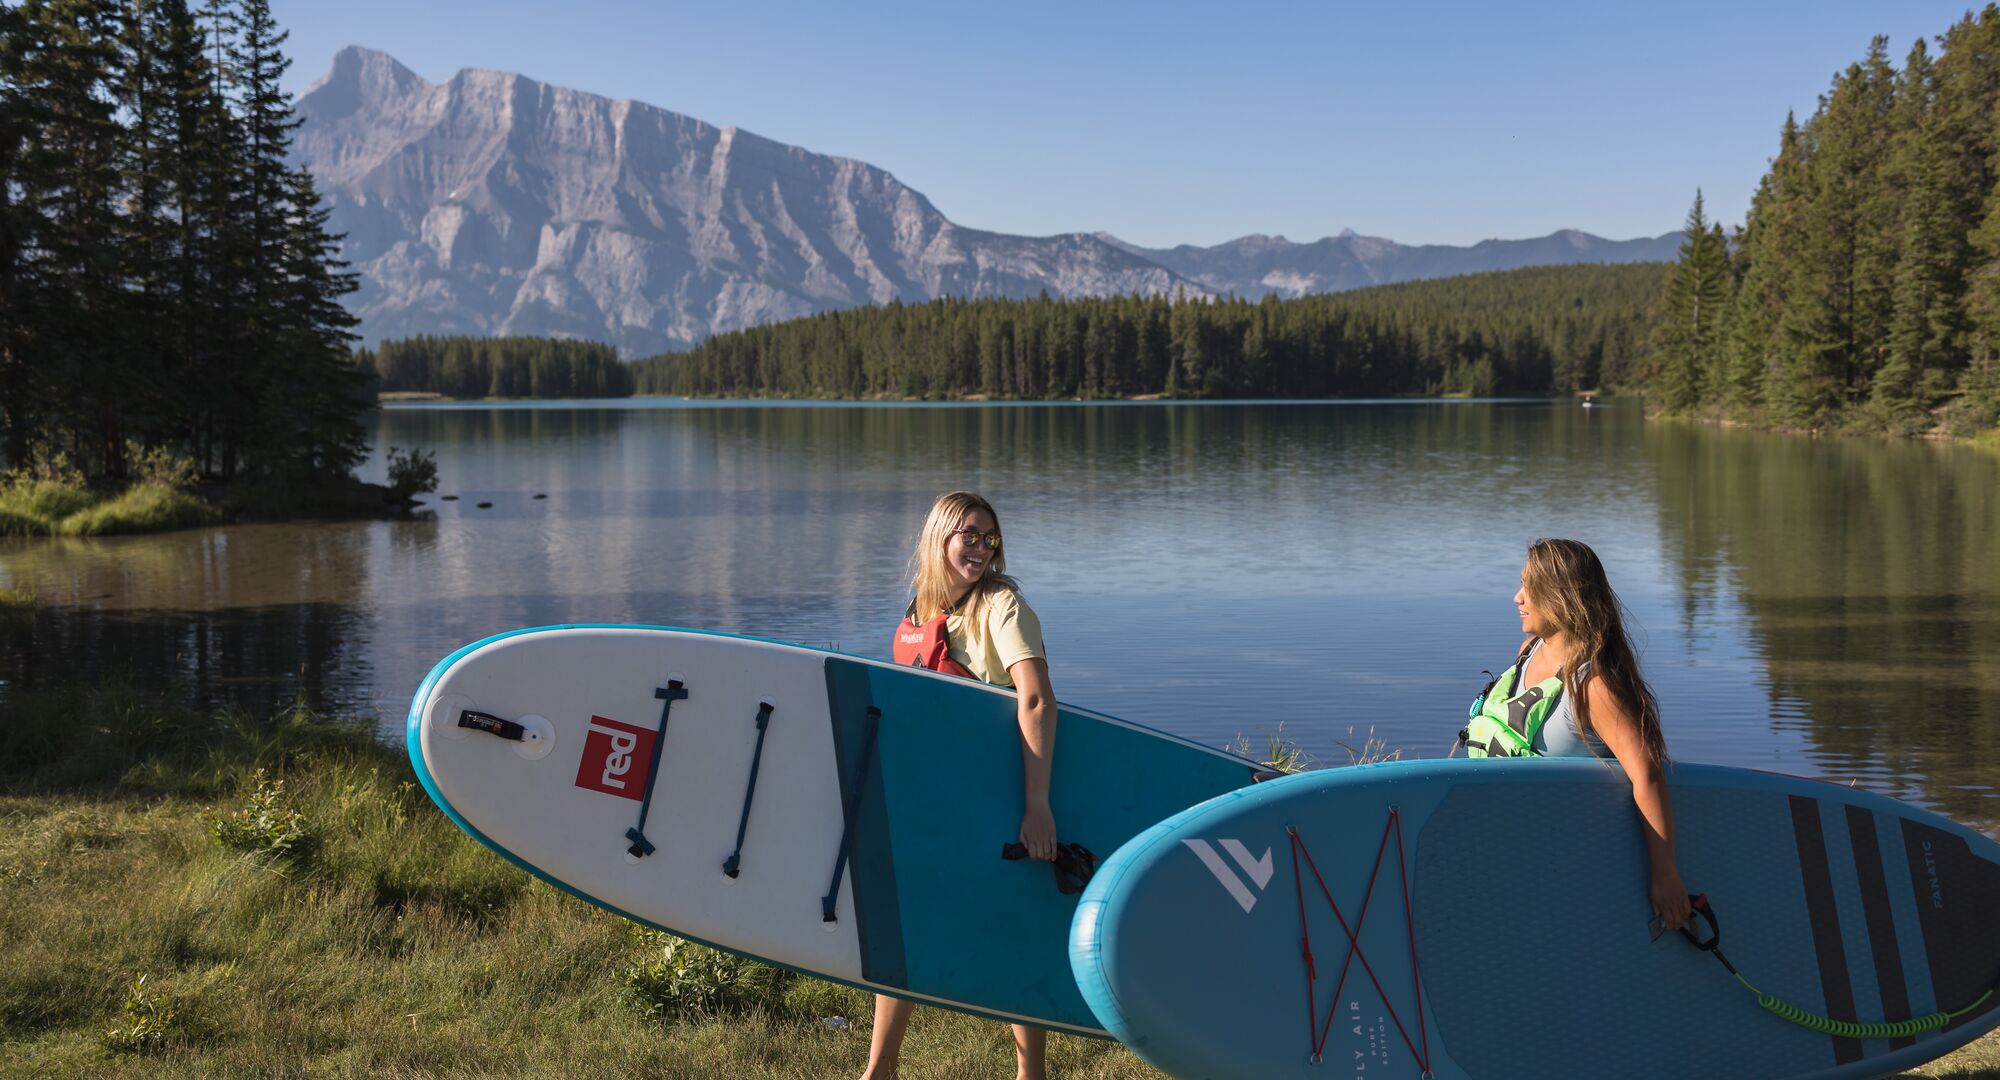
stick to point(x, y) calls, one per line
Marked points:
point(1597, 399)
point(54, 511)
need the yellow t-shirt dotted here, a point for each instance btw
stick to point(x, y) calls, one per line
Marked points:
point(1005, 633)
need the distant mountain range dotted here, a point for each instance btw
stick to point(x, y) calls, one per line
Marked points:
point(495, 204)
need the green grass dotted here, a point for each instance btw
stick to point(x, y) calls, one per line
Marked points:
point(141, 508)
point(386, 943)
point(56, 509)
point(188, 895)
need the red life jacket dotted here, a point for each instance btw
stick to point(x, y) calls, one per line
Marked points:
point(926, 646)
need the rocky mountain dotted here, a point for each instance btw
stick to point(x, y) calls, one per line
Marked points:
point(494, 204)
point(1255, 265)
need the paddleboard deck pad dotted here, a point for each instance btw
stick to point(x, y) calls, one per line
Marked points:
point(1490, 919)
point(836, 815)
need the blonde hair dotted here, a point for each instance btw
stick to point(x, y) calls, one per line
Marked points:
point(1567, 582)
point(930, 571)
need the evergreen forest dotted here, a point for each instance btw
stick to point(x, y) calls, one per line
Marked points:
point(506, 367)
point(1535, 331)
point(167, 281)
point(1863, 291)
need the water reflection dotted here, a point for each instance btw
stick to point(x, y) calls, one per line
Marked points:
point(250, 615)
point(1214, 570)
point(1866, 572)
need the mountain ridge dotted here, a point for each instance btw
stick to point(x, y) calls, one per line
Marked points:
point(492, 203)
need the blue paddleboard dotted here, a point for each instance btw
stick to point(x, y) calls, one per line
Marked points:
point(833, 814)
point(1499, 928)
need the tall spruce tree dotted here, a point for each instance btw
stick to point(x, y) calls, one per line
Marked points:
point(21, 156)
point(1816, 355)
point(1980, 384)
point(1927, 319)
point(71, 69)
point(1691, 332)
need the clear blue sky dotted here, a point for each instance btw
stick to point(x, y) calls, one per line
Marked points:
point(1171, 123)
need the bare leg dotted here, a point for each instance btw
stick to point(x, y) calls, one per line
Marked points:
point(885, 1043)
point(1030, 1053)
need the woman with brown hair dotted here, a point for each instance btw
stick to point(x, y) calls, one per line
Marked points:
point(1574, 689)
point(968, 618)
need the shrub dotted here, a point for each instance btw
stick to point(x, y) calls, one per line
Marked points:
point(161, 466)
point(686, 981)
point(149, 1020)
point(411, 472)
point(1971, 414)
point(266, 826)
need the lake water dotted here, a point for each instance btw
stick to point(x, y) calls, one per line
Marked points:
point(1340, 570)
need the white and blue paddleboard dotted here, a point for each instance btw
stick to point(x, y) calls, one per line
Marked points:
point(839, 816)
point(1490, 919)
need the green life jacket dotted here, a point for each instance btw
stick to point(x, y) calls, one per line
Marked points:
point(1504, 723)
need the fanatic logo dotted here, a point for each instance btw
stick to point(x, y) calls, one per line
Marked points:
point(1258, 870)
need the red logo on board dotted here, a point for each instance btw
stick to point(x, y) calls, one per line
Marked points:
point(616, 758)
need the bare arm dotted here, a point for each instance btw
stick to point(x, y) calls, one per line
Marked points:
point(1613, 723)
point(1037, 713)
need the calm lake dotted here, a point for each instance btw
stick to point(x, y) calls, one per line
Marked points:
point(1341, 570)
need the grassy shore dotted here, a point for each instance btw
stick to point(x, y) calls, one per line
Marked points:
point(186, 895)
point(57, 509)
point(31, 507)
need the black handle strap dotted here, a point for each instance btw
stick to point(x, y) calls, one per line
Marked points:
point(491, 724)
point(668, 694)
point(1073, 865)
point(734, 863)
point(1698, 904)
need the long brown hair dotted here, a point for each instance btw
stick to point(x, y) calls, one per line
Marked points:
point(1567, 582)
point(930, 574)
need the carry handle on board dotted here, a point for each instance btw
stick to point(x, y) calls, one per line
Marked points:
point(1698, 905)
point(733, 865)
point(668, 694)
point(1073, 865)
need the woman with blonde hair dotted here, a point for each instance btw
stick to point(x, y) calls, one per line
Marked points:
point(968, 618)
point(1574, 688)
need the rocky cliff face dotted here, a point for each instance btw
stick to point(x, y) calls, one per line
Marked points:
point(494, 204)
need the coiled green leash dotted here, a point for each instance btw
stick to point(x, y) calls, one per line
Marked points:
point(1846, 1029)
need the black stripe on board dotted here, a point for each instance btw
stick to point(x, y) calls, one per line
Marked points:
point(871, 868)
point(1824, 918)
point(1880, 917)
point(1957, 891)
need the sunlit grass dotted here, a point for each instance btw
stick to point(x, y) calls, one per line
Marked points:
point(141, 508)
point(52, 509)
point(194, 895)
point(390, 944)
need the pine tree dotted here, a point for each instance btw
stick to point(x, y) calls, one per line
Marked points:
point(1697, 302)
point(1980, 384)
point(1188, 361)
point(1927, 318)
point(21, 158)
point(70, 68)
point(312, 406)
point(1968, 125)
